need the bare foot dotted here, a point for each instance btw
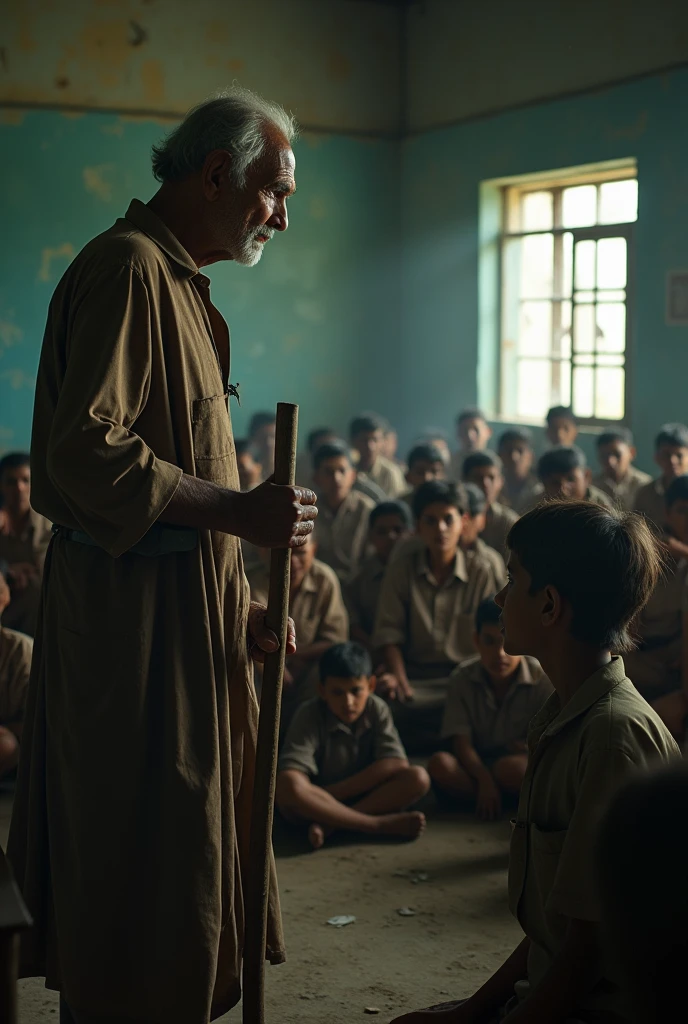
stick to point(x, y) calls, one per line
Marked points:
point(317, 834)
point(410, 824)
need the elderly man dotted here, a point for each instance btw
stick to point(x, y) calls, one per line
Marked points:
point(130, 832)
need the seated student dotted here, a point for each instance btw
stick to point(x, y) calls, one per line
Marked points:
point(320, 618)
point(472, 543)
point(367, 435)
point(485, 470)
point(491, 699)
point(425, 462)
point(342, 765)
point(671, 455)
point(564, 473)
point(618, 476)
point(24, 539)
point(578, 575)
point(390, 522)
point(522, 489)
point(561, 427)
point(314, 440)
point(424, 623)
point(390, 445)
point(261, 435)
point(250, 471)
point(15, 668)
point(437, 438)
point(473, 433)
point(343, 513)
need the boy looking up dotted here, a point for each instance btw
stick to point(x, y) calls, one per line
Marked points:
point(671, 455)
point(485, 470)
point(473, 433)
point(578, 575)
point(250, 471)
point(342, 765)
point(522, 489)
point(562, 427)
point(618, 477)
point(424, 622)
point(564, 473)
point(343, 512)
point(367, 437)
point(491, 699)
point(471, 541)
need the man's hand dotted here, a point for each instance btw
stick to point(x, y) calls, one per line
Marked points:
point(488, 804)
point(262, 640)
point(273, 516)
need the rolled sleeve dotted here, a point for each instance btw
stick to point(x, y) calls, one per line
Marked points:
point(456, 720)
point(392, 609)
point(302, 743)
point(387, 740)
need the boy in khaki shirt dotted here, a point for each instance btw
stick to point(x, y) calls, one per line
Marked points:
point(473, 433)
point(343, 513)
point(484, 469)
point(471, 536)
point(578, 574)
point(618, 477)
point(671, 455)
point(522, 489)
point(564, 473)
point(367, 433)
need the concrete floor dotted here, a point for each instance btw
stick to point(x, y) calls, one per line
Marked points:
point(460, 932)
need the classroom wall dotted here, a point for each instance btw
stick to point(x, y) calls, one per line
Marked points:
point(438, 362)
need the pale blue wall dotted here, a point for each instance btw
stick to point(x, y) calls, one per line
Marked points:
point(324, 295)
point(436, 365)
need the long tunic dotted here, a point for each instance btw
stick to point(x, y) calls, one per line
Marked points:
point(131, 824)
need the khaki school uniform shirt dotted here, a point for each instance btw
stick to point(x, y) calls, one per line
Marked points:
point(431, 623)
point(499, 521)
point(624, 493)
point(387, 475)
point(523, 499)
point(15, 668)
point(578, 755)
point(362, 593)
point(650, 501)
point(599, 497)
point(343, 535)
point(493, 559)
point(328, 750)
point(30, 546)
point(661, 618)
point(472, 709)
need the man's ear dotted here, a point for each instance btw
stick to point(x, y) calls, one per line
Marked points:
point(372, 683)
point(216, 171)
point(552, 606)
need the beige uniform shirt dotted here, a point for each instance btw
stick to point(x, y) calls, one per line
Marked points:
point(650, 501)
point(499, 521)
point(623, 494)
point(15, 667)
point(29, 546)
point(472, 709)
point(329, 750)
point(579, 754)
point(362, 593)
point(526, 497)
point(493, 558)
point(343, 535)
point(432, 624)
point(388, 476)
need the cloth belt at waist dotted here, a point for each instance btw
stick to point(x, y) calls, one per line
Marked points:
point(160, 540)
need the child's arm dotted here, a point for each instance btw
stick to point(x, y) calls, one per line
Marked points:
point(394, 660)
point(390, 632)
point(370, 778)
point(488, 801)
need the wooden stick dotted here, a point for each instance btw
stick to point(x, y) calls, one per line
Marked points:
point(258, 888)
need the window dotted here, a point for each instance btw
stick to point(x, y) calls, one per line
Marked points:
point(566, 248)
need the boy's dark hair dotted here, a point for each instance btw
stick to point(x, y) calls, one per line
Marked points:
point(346, 661)
point(259, 420)
point(367, 423)
point(605, 562)
point(391, 508)
point(516, 434)
point(487, 614)
point(14, 460)
point(674, 434)
point(443, 492)
point(333, 450)
point(622, 434)
point(315, 435)
point(560, 460)
point(424, 452)
point(476, 502)
point(561, 412)
point(676, 491)
point(471, 413)
point(477, 460)
point(430, 433)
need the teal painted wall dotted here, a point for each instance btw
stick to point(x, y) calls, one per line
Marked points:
point(302, 321)
point(436, 360)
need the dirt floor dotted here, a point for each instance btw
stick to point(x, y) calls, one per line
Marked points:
point(453, 878)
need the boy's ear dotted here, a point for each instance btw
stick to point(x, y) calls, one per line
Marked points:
point(372, 683)
point(551, 607)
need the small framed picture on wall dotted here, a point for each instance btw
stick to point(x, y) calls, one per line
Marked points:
point(677, 298)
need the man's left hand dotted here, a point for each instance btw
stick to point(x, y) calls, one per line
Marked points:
point(262, 640)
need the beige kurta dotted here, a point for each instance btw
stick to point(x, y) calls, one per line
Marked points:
point(130, 831)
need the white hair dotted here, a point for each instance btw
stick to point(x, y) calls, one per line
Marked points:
point(235, 120)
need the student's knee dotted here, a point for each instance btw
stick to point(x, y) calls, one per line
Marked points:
point(441, 765)
point(9, 750)
point(417, 780)
point(508, 772)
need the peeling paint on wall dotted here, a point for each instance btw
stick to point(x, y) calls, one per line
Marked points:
point(10, 334)
point(18, 379)
point(64, 251)
point(96, 181)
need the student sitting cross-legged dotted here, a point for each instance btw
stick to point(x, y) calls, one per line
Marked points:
point(343, 512)
point(425, 462)
point(342, 765)
point(578, 575)
point(491, 699)
point(561, 426)
point(618, 477)
point(564, 473)
point(484, 469)
point(522, 488)
point(471, 541)
point(671, 455)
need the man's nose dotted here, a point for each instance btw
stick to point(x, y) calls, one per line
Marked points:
point(279, 219)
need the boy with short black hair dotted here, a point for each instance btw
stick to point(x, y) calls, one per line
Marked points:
point(343, 512)
point(250, 471)
point(342, 765)
point(367, 438)
point(671, 455)
point(471, 539)
point(24, 539)
point(485, 470)
point(522, 488)
point(438, 438)
point(564, 473)
point(491, 700)
point(425, 462)
point(562, 427)
point(473, 433)
point(578, 576)
point(424, 622)
point(15, 667)
point(618, 477)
